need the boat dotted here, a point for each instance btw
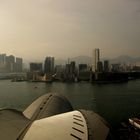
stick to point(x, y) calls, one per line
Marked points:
point(135, 122)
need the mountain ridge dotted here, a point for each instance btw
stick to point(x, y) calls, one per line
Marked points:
point(83, 59)
point(87, 59)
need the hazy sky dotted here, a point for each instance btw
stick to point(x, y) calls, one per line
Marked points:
point(34, 29)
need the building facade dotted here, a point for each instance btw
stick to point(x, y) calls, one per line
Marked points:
point(96, 58)
point(10, 63)
point(18, 64)
point(106, 66)
point(35, 67)
point(99, 66)
point(49, 65)
point(83, 67)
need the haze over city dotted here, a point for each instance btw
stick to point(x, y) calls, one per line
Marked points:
point(33, 29)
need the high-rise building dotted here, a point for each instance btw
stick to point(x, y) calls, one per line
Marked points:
point(67, 69)
point(96, 58)
point(35, 67)
point(49, 65)
point(10, 59)
point(3, 63)
point(2, 58)
point(70, 71)
point(115, 67)
point(10, 62)
point(18, 65)
point(106, 66)
point(99, 66)
point(83, 67)
point(72, 67)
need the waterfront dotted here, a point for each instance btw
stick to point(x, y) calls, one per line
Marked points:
point(115, 102)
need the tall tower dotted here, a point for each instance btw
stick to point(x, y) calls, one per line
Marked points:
point(2, 58)
point(96, 59)
point(49, 65)
point(10, 62)
point(18, 64)
point(106, 66)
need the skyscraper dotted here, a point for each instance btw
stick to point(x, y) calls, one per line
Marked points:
point(49, 65)
point(18, 65)
point(72, 67)
point(35, 67)
point(96, 59)
point(83, 67)
point(2, 58)
point(106, 66)
point(10, 60)
point(99, 66)
point(3, 63)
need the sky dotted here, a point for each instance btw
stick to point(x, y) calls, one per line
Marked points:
point(34, 29)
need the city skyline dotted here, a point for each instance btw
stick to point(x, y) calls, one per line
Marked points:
point(10, 63)
point(69, 28)
point(82, 59)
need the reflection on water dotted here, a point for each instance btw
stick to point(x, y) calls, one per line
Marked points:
point(114, 102)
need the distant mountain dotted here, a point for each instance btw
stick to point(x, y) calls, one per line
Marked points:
point(81, 60)
point(125, 59)
point(60, 62)
point(87, 60)
point(78, 60)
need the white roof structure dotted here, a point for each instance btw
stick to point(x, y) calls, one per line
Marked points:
point(71, 125)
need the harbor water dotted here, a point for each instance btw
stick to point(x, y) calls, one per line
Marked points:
point(114, 102)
